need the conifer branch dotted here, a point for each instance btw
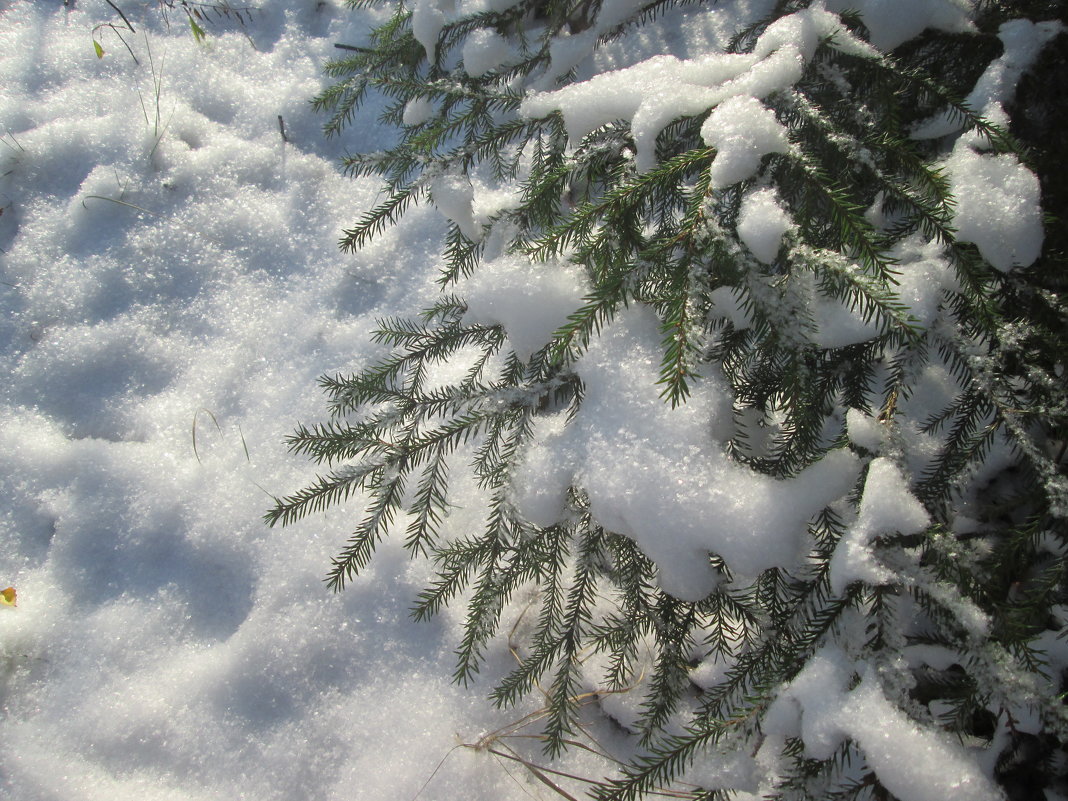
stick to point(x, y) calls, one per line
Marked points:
point(817, 338)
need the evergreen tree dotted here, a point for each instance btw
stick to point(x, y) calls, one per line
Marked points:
point(837, 232)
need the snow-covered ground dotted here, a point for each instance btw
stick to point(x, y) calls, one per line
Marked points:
point(171, 289)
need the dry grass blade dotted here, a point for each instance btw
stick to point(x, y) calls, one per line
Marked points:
point(218, 428)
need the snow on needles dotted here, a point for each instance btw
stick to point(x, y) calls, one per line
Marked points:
point(661, 476)
point(913, 763)
point(531, 301)
point(892, 22)
point(762, 222)
point(998, 198)
point(663, 88)
point(998, 206)
point(886, 507)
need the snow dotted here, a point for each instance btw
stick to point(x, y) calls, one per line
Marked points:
point(428, 19)
point(166, 644)
point(742, 131)
point(417, 111)
point(569, 49)
point(484, 51)
point(656, 91)
point(886, 507)
point(893, 22)
point(998, 197)
point(762, 221)
point(531, 300)
point(912, 762)
point(454, 196)
point(649, 469)
point(172, 289)
point(998, 206)
point(864, 430)
point(727, 303)
point(1022, 40)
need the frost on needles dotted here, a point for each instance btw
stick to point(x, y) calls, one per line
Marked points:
point(750, 359)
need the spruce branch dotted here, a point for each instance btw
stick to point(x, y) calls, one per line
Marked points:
point(819, 341)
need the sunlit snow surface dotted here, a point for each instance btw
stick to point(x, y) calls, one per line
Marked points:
point(158, 278)
point(171, 290)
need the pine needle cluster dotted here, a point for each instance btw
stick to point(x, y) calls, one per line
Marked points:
point(982, 585)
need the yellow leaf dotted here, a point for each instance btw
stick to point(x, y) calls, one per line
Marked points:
point(7, 597)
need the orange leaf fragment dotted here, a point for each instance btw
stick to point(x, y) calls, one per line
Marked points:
point(7, 597)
